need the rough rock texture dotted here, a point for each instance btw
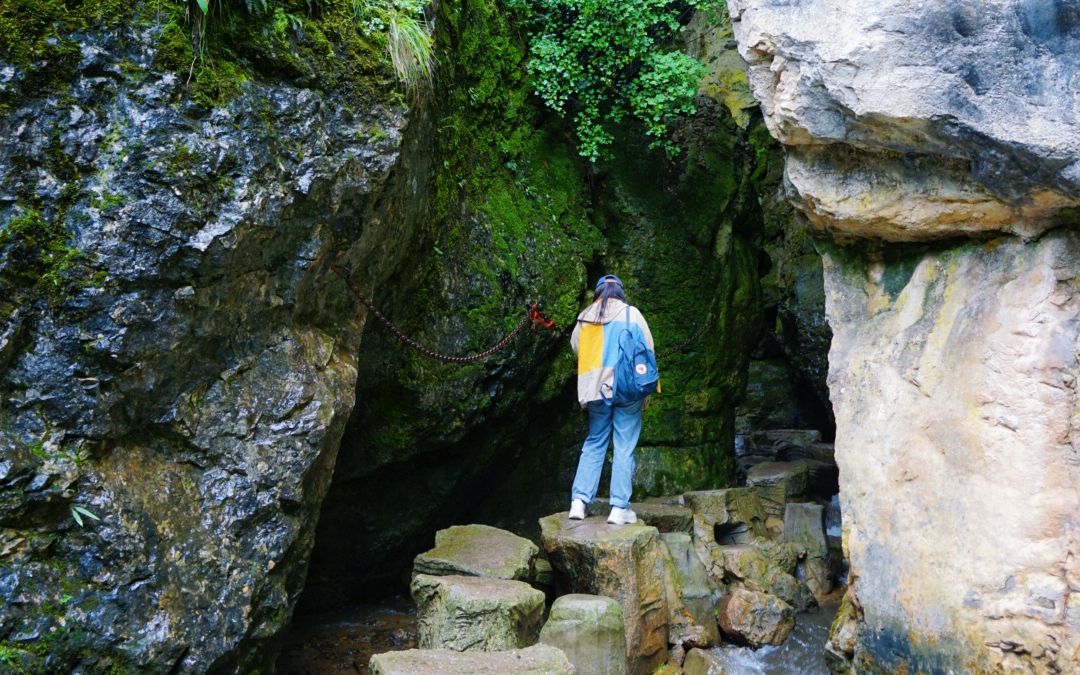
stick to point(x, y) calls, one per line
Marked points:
point(535, 660)
point(175, 355)
point(960, 513)
point(663, 513)
point(899, 121)
point(517, 216)
point(701, 662)
point(953, 365)
point(755, 618)
point(590, 630)
point(479, 551)
point(698, 593)
point(476, 614)
point(622, 562)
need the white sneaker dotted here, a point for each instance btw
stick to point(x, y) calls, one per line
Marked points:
point(622, 516)
point(577, 510)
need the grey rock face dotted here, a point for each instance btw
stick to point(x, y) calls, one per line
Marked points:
point(590, 630)
point(624, 562)
point(535, 660)
point(189, 378)
point(479, 550)
point(476, 614)
point(755, 618)
point(959, 513)
point(902, 121)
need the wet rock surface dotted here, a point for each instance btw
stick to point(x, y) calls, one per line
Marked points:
point(344, 641)
point(621, 562)
point(476, 614)
point(755, 618)
point(535, 660)
point(481, 551)
point(186, 375)
point(590, 630)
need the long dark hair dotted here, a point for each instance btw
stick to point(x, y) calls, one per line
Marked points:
point(609, 286)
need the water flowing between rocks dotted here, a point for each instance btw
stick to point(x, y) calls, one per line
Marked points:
point(344, 640)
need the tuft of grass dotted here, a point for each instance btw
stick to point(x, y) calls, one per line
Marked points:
point(411, 50)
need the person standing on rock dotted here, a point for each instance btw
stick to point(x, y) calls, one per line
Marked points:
point(595, 340)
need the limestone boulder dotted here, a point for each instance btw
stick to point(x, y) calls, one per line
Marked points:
point(755, 618)
point(665, 514)
point(624, 562)
point(535, 660)
point(726, 516)
point(900, 122)
point(590, 630)
point(481, 551)
point(769, 572)
point(804, 524)
point(701, 662)
point(778, 483)
point(697, 591)
point(476, 614)
point(960, 513)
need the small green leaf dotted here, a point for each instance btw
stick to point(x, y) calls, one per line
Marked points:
point(204, 5)
point(77, 512)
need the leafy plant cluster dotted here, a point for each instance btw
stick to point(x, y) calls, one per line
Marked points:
point(602, 61)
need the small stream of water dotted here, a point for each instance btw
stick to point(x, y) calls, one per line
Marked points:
point(345, 640)
point(803, 653)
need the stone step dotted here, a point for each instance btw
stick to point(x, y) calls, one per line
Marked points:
point(534, 660)
point(624, 562)
point(662, 513)
point(591, 631)
point(479, 551)
point(465, 613)
point(780, 482)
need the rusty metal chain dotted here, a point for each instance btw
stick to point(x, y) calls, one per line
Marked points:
point(530, 316)
point(690, 340)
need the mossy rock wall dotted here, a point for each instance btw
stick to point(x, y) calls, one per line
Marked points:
point(517, 216)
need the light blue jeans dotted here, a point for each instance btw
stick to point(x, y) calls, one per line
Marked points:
point(624, 423)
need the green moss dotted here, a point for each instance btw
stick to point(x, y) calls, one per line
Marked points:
point(37, 259)
point(108, 201)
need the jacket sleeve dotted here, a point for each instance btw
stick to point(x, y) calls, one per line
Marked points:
point(574, 337)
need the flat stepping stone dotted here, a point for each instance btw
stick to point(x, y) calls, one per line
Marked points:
point(624, 562)
point(665, 516)
point(478, 551)
point(535, 660)
point(780, 482)
point(475, 613)
point(590, 630)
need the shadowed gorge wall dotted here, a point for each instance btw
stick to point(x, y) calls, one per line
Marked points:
point(517, 215)
point(179, 361)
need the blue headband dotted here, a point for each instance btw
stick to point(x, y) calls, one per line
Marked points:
point(605, 279)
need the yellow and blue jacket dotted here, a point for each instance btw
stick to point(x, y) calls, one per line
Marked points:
point(595, 340)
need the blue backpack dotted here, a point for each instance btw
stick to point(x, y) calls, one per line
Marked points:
point(636, 375)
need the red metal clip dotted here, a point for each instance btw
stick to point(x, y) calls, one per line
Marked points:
point(538, 319)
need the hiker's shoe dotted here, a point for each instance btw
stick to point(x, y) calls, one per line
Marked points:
point(577, 510)
point(621, 516)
